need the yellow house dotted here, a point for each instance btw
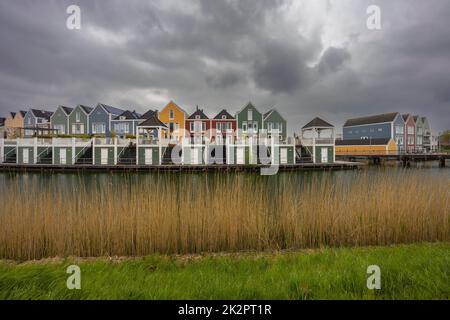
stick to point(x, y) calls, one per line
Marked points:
point(14, 121)
point(174, 118)
point(366, 147)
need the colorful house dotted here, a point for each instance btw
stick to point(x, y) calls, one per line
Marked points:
point(427, 135)
point(223, 127)
point(37, 121)
point(198, 125)
point(79, 120)
point(410, 133)
point(420, 132)
point(125, 124)
point(174, 118)
point(100, 119)
point(14, 123)
point(365, 147)
point(60, 120)
point(149, 135)
point(317, 139)
point(386, 125)
point(273, 122)
point(249, 122)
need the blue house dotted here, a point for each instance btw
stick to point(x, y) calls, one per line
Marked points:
point(100, 119)
point(387, 125)
point(36, 119)
point(127, 122)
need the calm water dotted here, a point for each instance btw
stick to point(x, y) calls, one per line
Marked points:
point(72, 181)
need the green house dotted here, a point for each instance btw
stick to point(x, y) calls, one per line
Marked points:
point(273, 122)
point(79, 120)
point(249, 120)
point(60, 119)
point(318, 140)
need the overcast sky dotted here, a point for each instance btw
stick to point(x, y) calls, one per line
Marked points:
point(306, 58)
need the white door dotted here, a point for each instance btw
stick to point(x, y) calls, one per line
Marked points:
point(324, 154)
point(104, 156)
point(283, 156)
point(62, 156)
point(26, 155)
point(148, 156)
point(194, 156)
point(240, 155)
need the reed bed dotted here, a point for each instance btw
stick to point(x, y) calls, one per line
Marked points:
point(214, 213)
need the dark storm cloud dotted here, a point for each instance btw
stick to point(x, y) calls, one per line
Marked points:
point(307, 58)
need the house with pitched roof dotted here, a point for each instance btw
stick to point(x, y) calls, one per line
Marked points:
point(366, 147)
point(198, 125)
point(223, 126)
point(60, 120)
point(174, 118)
point(14, 123)
point(386, 125)
point(273, 122)
point(410, 133)
point(249, 121)
point(37, 121)
point(149, 134)
point(125, 124)
point(100, 119)
point(79, 120)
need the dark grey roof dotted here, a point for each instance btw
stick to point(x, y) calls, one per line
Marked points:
point(86, 108)
point(379, 118)
point(319, 123)
point(41, 113)
point(129, 115)
point(2, 122)
point(198, 112)
point(224, 113)
point(22, 113)
point(13, 114)
point(66, 110)
point(149, 114)
point(152, 122)
point(267, 113)
point(363, 142)
point(113, 110)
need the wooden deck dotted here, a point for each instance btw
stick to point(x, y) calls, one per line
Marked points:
point(405, 158)
point(340, 165)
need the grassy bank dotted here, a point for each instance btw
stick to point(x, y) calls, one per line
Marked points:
point(214, 213)
point(407, 272)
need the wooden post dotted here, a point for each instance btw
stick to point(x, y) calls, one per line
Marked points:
point(441, 162)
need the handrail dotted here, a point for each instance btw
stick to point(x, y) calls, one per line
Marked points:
point(40, 154)
point(82, 151)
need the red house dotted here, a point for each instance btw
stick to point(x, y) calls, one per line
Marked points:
point(198, 125)
point(223, 126)
point(410, 133)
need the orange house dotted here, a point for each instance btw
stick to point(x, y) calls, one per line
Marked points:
point(14, 123)
point(174, 118)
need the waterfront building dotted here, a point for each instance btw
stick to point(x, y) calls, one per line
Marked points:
point(273, 121)
point(37, 121)
point(249, 123)
point(79, 120)
point(317, 139)
point(410, 133)
point(427, 135)
point(149, 141)
point(366, 147)
point(198, 126)
point(100, 119)
point(223, 126)
point(14, 124)
point(60, 120)
point(125, 124)
point(174, 118)
point(386, 125)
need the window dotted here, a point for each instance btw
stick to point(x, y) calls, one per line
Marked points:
point(399, 129)
point(192, 127)
point(255, 126)
point(77, 117)
point(197, 117)
point(372, 130)
point(177, 126)
point(122, 127)
point(29, 121)
point(244, 126)
point(98, 128)
point(60, 128)
point(171, 114)
point(122, 118)
point(224, 117)
point(399, 140)
point(380, 129)
point(269, 126)
point(419, 131)
point(281, 128)
point(250, 115)
point(410, 130)
point(39, 120)
point(203, 126)
point(219, 126)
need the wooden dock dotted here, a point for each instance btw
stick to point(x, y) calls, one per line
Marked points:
point(339, 165)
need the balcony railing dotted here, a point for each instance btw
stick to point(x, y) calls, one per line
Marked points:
point(312, 141)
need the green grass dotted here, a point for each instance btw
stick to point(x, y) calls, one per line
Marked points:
point(407, 272)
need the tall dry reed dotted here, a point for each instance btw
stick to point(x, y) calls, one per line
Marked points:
point(129, 217)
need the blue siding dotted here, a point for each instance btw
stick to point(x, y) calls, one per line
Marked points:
point(29, 116)
point(99, 115)
point(399, 137)
point(132, 124)
point(378, 130)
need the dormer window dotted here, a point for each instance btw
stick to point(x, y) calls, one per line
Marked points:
point(122, 118)
point(197, 117)
point(224, 117)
